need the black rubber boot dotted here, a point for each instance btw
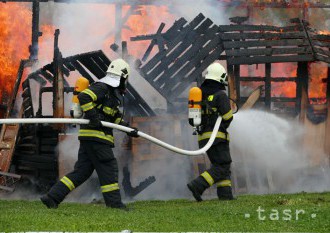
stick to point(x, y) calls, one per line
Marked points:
point(49, 202)
point(197, 187)
point(113, 200)
point(120, 206)
point(225, 193)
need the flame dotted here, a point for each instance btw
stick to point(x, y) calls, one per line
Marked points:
point(324, 32)
point(146, 23)
point(15, 34)
point(318, 72)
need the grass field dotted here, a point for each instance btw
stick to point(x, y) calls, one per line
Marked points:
point(276, 213)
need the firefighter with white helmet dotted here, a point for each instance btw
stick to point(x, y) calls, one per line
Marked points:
point(99, 102)
point(215, 102)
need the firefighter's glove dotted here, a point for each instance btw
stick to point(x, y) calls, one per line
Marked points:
point(133, 133)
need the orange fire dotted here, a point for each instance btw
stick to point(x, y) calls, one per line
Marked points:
point(15, 36)
point(318, 72)
point(16, 27)
point(146, 23)
point(324, 32)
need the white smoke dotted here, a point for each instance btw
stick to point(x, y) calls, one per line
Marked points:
point(269, 155)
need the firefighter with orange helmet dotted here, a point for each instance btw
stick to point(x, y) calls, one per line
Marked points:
point(99, 102)
point(215, 102)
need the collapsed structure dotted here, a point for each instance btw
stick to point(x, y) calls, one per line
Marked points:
point(185, 50)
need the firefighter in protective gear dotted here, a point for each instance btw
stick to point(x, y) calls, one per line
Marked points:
point(215, 103)
point(99, 102)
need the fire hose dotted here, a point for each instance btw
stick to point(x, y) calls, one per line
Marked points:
point(118, 127)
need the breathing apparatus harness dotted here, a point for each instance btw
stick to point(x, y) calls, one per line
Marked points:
point(196, 106)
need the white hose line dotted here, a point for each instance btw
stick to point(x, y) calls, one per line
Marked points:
point(119, 127)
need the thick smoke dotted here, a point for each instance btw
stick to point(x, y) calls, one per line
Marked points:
point(269, 155)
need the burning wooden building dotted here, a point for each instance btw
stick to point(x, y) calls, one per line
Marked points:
point(185, 49)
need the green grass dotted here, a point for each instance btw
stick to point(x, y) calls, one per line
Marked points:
point(174, 215)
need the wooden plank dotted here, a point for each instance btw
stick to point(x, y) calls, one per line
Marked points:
point(175, 53)
point(262, 35)
point(253, 98)
point(173, 31)
point(92, 66)
point(69, 66)
point(273, 59)
point(183, 78)
point(262, 79)
point(321, 43)
point(46, 74)
point(157, 40)
point(322, 58)
point(38, 79)
point(6, 188)
point(228, 28)
point(138, 107)
point(237, 75)
point(321, 37)
point(206, 59)
point(10, 175)
point(189, 55)
point(82, 70)
point(96, 58)
point(322, 51)
point(268, 86)
point(274, 99)
point(160, 55)
point(103, 57)
point(264, 43)
point(267, 51)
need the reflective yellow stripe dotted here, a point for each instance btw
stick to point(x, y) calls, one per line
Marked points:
point(207, 135)
point(208, 178)
point(90, 93)
point(87, 106)
point(109, 187)
point(110, 111)
point(224, 183)
point(228, 115)
point(95, 133)
point(118, 120)
point(210, 98)
point(68, 183)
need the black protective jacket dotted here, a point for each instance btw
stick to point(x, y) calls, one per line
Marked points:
point(216, 102)
point(99, 101)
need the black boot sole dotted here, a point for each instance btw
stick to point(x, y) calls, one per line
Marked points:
point(48, 202)
point(194, 192)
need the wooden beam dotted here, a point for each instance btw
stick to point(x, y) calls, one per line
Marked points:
point(253, 98)
point(268, 86)
point(262, 79)
point(244, 27)
point(273, 99)
point(272, 59)
point(262, 35)
point(267, 51)
point(264, 43)
point(237, 76)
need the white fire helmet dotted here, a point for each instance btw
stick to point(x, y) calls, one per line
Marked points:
point(217, 72)
point(117, 70)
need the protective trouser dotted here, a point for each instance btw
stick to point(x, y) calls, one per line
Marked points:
point(92, 155)
point(218, 173)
